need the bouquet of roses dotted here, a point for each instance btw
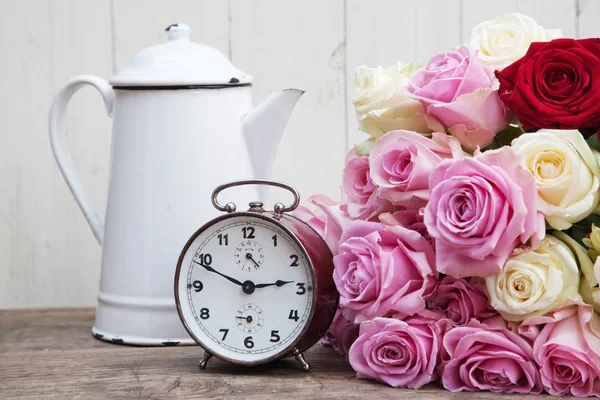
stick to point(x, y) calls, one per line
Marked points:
point(465, 246)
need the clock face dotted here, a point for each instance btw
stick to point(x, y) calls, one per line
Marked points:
point(246, 289)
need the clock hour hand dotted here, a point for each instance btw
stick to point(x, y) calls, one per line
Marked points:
point(277, 283)
point(211, 269)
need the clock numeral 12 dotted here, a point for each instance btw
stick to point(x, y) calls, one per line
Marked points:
point(248, 342)
point(225, 332)
point(294, 315)
point(223, 239)
point(248, 232)
point(275, 336)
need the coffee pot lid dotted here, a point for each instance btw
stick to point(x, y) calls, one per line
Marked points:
point(180, 63)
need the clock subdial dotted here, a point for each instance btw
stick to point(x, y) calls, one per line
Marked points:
point(249, 318)
point(249, 255)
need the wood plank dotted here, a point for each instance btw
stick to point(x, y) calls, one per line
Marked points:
point(298, 44)
point(48, 255)
point(392, 31)
point(551, 14)
point(134, 32)
point(588, 13)
point(75, 365)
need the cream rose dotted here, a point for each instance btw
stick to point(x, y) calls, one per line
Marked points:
point(592, 242)
point(382, 104)
point(566, 172)
point(534, 282)
point(590, 272)
point(506, 39)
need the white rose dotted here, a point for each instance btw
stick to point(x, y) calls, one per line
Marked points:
point(566, 172)
point(534, 282)
point(382, 104)
point(506, 39)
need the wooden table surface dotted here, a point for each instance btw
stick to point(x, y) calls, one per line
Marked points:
point(50, 353)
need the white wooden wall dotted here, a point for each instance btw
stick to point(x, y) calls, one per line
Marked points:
point(48, 255)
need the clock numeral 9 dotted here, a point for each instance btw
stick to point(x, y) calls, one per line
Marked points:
point(205, 259)
point(248, 342)
point(204, 313)
point(294, 315)
point(223, 239)
point(275, 337)
point(294, 259)
point(248, 232)
point(198, 286)
point(301, 289)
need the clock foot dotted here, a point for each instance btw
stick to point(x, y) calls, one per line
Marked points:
point(300, 358)
point(202, 363)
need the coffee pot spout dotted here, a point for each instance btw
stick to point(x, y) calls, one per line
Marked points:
point(262, 129)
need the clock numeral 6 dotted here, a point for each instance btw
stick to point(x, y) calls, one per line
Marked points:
point(248, 232)
point(275, 337)
point(294, 315)
point(294, 259)
point(225, 332)
point(204, 313)
point(205, 259)
point(248, 342)
point(198, 286)
point(301, 289)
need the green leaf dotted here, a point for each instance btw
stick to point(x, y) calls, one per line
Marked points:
point(592, 141)
point(508, 134)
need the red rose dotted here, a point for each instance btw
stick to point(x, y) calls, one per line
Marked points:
point(556, 85)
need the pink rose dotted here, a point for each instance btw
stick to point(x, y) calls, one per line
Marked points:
point(568, 350)
point(362, 200)
point(481, 357)
point(328, 219)
point(381, 270)
point(401, 162)
point(410, 219)
point(399, 353)
point(341, 333)
point(480, 209)
point(460, 96)
point(460, 300)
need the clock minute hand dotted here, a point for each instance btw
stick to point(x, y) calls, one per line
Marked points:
point(211, 269)
point(277, 283)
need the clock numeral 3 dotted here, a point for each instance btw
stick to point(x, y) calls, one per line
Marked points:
point(205, 259)
point(275, 337)
point(198, 286)
point(248, 342)
point(225, 332)
point(223, 239)
point(294, 259)
point(301, 289)
point(248, 232)
point(204, 313)
point(294, 315)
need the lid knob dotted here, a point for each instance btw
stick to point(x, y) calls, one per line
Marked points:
point(178, 31)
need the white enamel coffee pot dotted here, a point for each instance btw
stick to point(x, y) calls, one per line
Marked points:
point(183, 124)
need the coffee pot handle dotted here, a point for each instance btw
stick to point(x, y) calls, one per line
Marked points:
point(56, 128)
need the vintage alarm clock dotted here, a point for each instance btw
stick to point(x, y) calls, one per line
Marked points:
point(255, 286)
